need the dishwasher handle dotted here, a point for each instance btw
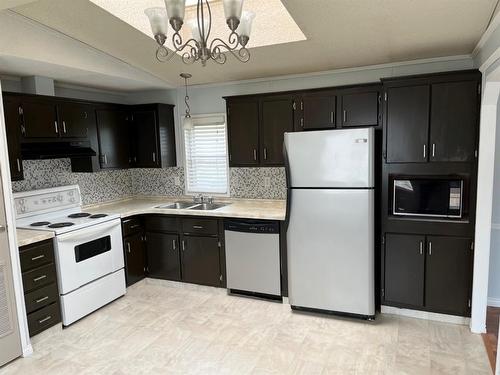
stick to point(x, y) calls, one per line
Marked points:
point(252, 226)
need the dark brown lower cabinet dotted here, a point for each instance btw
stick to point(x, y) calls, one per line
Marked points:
point(135, 258)
point(201, 260)
point(431, 273)
point(164, 260)
point(404, 269)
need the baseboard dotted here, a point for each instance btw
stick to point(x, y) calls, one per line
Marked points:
point(27, 351)
point(425, 315)
point(494, 302)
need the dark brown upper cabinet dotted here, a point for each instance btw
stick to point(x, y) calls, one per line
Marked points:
point(318, 111)
point(277, 116)
point(12, 111)
point(243, 131)
point(75, 119)
point(360, 108)
point(113, 134)
point(153, 136)
point(407, 117)
point(39, 118)
point(454, 117)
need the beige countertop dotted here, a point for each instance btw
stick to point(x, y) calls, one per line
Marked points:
point(237, 208)
point(28, 236)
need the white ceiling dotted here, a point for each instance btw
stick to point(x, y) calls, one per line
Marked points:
point(340, 34)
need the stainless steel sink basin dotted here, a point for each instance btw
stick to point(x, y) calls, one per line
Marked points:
point(177, 205)
point(207, 206)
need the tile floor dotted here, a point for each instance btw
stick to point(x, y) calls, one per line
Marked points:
point(170, 328)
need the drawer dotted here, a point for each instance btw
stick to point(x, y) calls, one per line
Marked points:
point(200, 226)
point(131, 226)
point(39, 277)
point(37, 255)
point(44, 318)
point(41, 297)
point(161, 224)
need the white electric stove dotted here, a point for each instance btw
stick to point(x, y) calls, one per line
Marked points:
point(88, 248)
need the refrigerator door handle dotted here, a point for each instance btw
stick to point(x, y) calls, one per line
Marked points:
point(288, 186)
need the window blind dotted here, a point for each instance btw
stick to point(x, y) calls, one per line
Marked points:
point(206, 155)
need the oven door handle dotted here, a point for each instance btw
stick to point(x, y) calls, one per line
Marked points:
point(89, 233)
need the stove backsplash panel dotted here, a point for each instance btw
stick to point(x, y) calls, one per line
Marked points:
point(257, 183)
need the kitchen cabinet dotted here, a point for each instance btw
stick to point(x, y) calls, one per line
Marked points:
point(448, 274)
point(135, 258)
point(12, 113)
point(201, 260)
point(404, 269)
point(163, 256)
point(432, 273)
point(243, 130)
point(318, 111)
point(153, 136)
point(277, 117)
point(407, 123)
point(453, 120)
point(75, 119)
point(113, 134)
point(39, 118)
point(360, 108)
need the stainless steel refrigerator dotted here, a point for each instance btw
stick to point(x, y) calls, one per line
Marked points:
point(330, 219)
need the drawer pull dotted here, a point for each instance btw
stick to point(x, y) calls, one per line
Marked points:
point(38, 257)
point(197, 227)
point(128, 247)
point(173, 245)
point(42, 299)
point(39, 278)
point(44, 319)
point(135, 226)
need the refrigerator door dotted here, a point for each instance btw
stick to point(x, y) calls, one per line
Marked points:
point(330, 242)
point(331, 158)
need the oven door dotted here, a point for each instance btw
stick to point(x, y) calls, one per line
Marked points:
point(87, 254)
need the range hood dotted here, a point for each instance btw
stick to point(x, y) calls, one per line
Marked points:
point(56, 150)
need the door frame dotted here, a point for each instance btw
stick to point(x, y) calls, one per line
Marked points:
point(27, 349)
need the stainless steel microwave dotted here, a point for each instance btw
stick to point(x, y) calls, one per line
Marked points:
point(432, 197)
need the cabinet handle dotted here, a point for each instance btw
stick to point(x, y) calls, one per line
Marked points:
point(38, 257)
point(64, 127)
point(254, 154)
point(128, 247)
point(39, 278)
point(55, 127)
point(433, 149)
point(265, 153)
point(42, 299)
point(154, 157)
point(135, 226)
point(345, 115)
point(45, 319)
point(197, 227)
point(425, 151)
point(183, 245)
point(430, 248)
point(331, 117)
point(421, 247)
point(174, 246)
point(105, 159)
point(18, 165)
point(302, 123)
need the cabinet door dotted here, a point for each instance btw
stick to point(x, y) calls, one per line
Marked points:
point(201, 260)
point(243, 121)
point(163, 256)
point(113, 133)
point(454, 121)
point(135, 258)
point(40, 119)
point(75, 119)
point(448, 274)
point(360, 109)
point(407, 124)
point(145, 139)
point(404, 269)
point(277, 118)
point(318, 111)
point(13, 129)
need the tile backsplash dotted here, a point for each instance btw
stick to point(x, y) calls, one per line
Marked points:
point(263, 183)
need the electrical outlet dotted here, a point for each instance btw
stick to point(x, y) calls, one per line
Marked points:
point(177, 181)
point(267, 182)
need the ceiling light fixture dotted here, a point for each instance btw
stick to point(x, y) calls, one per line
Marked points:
point(198, 48)
point(188, 122)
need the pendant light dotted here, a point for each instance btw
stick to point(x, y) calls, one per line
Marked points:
point(188, 121)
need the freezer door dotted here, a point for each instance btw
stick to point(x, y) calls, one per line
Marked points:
point(330, 242)
point(331, 158)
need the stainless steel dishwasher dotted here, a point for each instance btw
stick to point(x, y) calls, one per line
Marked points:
point(253, 257)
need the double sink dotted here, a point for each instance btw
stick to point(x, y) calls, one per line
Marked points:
point(192, 206)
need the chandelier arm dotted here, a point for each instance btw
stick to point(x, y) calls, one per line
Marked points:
point(243, 55)
point(230, 45)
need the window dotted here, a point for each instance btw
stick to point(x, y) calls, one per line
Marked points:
point(206, 155)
